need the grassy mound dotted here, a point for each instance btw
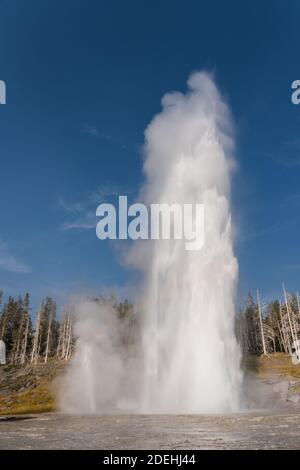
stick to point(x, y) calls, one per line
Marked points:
point(30, 388)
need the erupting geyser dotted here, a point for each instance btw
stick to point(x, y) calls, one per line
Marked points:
point(191, 354)
point(190, 358)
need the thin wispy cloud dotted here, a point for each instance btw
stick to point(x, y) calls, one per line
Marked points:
point(70, 207)
point(293, 143)
point(90, 130)
point(290, 160)
point(289, 155)
point(8, 262)
point(86, 221)
point(93, 131)
point(292, 267)
point(291, 200)
point(271, 229)
point(100, 194)
point(82, 214)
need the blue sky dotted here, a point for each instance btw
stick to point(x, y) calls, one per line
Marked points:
point(84, 78)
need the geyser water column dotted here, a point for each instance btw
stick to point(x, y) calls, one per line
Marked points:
point(191, 357)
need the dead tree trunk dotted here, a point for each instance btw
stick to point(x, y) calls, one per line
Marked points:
point(69, 337)
point(261, 326)
point(36, 341)
point(23, 356)
point(48, 338)
point(295, 343)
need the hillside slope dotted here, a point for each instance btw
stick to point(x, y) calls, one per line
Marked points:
point(30, 388)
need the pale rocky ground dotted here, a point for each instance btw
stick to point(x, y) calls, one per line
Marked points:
point(272, 387)
point(255, 430)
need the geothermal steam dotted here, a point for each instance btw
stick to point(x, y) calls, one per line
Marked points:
point(191, 355)
point(190, 358)
point(102, 375)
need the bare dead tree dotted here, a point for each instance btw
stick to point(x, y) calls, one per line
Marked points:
point(60, 330)
point(293, 324)
point(48, 338)
point(64, 338)
point(23, 355)
point(69, 337)
point(37, 339)
point(261, 326)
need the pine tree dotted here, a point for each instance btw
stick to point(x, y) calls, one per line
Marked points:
point(10, 323)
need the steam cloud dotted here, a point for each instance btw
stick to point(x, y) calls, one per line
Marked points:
point(97, 380)
point(189, 360)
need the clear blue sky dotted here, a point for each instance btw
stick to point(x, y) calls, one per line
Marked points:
point(84, 78)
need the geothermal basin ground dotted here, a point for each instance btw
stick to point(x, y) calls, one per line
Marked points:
point(273, 423)
point(255, 430)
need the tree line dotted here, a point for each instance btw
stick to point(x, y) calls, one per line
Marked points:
point(261, 328)
point(33, 341)
point(265, 328)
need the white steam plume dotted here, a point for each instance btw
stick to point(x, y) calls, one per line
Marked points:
point(190, 351)
point(190, 358)
point(96, 380)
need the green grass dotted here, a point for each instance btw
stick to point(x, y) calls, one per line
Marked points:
point(278, 364)
point(37, 400)
point(29, 389)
